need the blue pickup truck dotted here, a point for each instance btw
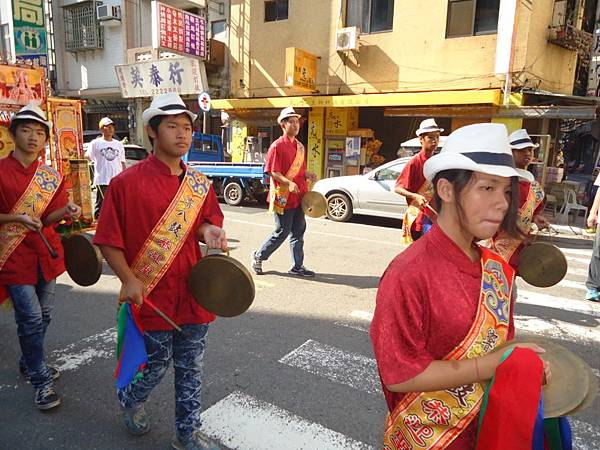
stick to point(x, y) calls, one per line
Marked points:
point(232, 181)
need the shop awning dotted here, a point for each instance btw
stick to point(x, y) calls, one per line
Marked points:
point(586, 112)
point(491, 97)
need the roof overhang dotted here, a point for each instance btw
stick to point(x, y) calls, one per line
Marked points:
point(491, 97)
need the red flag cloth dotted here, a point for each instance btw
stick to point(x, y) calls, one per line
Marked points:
point(514, 397)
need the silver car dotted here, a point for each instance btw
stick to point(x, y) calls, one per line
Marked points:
point(370, 194)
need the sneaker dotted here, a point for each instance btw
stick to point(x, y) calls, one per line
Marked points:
point(302, 272)
point(46, 398)
point(136, 420)
point(592, 295)
point(256, 264)
point(197, 441)
point(53, 371)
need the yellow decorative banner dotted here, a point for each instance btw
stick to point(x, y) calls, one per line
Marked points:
point(316, 141)
point(239, 132)
point(7, 144)
point(340, 120)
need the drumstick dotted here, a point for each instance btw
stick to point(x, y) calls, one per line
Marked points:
point(53, 253)
point(429, 207)
point(163, 315)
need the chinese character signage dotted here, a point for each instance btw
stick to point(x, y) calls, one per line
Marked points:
point(300, 69)
point(149, 78)
point(316, 126)
point(178, 31)
point(29, 29)
point(19, 86)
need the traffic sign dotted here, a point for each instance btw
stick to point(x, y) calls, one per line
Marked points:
point(204, 101)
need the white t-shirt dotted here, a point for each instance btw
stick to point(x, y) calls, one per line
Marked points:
point(108, 157)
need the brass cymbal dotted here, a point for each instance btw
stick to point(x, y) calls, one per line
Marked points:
point(542, 264)
point(592, 392)
point(222, 285)
point(568, 386)
point(314, 204)
point(83, 259)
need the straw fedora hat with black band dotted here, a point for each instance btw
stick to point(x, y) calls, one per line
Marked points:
point(169, 104)
point(286, 113)
point(520, 139)
point(482, 147)
point(32, 112)
point(428, 126)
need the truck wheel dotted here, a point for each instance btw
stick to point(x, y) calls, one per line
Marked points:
point(339, 207)
point(233, 193)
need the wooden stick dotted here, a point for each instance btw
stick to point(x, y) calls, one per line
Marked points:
point(430, 208)
point(53, 253)
point(163, 315)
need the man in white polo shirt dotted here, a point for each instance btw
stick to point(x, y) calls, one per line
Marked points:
point(108, 156)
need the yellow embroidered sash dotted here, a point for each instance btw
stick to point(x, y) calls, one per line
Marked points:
point(33, 202)
point(278, 196)
point(432, 420)
point(412, 212)
point(168, 236)
point(506, 245)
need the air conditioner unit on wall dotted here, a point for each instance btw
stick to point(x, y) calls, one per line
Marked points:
point(106, 13)
point(346, 39)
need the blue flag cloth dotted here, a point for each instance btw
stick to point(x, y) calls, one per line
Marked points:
point(131, 348)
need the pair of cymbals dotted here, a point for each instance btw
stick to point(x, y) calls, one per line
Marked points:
point(314, 204)
point(572, 386)
point(542, 264)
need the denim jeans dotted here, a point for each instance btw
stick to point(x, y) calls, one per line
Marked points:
point(33, 308)
point(593, 280)
point(291, 221)
point(186, 350)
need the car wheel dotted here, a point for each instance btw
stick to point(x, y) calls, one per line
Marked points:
point(233, 193)
point(339, 207)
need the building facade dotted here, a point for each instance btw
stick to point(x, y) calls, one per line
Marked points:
point(384, 65)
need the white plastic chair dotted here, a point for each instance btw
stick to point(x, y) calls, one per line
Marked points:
point(572, 205)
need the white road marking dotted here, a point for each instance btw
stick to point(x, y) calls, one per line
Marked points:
point(585, 435)
point(353, 326)
point(244, 422)
point(577, 272)
point(557, 329)
point(334, 235)
point(573, 284)
point(82, 353)
point(577, 251)
point(350, 369)
point(584, 261)
point(365, 315)
point(550, 301)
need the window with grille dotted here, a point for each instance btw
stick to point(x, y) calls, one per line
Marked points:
point(370, 16)
point(82, 30)
point(472, 17)
point(276, 10)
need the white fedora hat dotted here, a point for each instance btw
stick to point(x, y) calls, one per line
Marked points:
point(286, 113)
point(169, 104)
point(428, 126)
point(104, 122)
point(520, 139)
point(32, 112)
point(482, 147)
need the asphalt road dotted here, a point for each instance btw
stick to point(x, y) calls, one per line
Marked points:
point(296, 371)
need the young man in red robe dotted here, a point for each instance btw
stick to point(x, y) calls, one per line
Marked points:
point(412, 184)
point(32, 198)
point(531, 201)
point(153, 217)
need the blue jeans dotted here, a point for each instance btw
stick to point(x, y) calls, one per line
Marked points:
point(291, 221)
point(186, 350)
point(33, 308)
